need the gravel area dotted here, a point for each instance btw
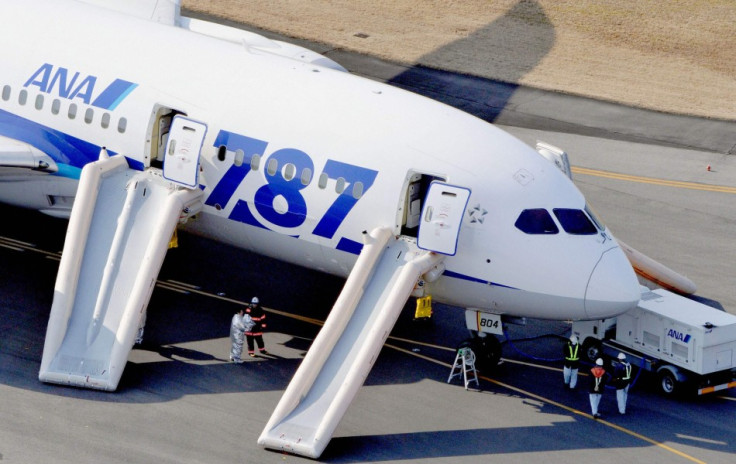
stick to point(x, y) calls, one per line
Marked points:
point(676, 56)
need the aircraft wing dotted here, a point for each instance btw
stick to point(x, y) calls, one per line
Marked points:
point(169, 12)
point(16, 155)
point(161, 11)
point(657, 273)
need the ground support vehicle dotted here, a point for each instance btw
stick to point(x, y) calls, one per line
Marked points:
point(685, 343)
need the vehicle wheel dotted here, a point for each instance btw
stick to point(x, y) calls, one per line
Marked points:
point(592, 349)
point(668, 382)
point(487, 352)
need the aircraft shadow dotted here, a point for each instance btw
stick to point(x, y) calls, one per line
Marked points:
point(482, 97)
point(524, 32)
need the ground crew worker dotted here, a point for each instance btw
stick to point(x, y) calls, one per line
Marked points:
point(237, 329)
point(597, 385)
point(622, 381)
point(255, 334)
point(572, 362)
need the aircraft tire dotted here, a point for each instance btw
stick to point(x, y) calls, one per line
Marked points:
point(487, 352)
point(592, 349)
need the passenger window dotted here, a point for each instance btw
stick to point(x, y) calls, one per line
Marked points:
point(357, 190)
point(272, 167)
point(255, 162)
point(306, 176)
point(221, 152)
point(340, 185)
point(323, 180)
point(39, 102)
point(55, 106)
point(289, 171)
point(122, 125)
point(575, 222)
point(536, 221)
point(72, 111)
point(6, 93)
point(105, 121)
point(88, 115)
point(23, 97)
point(239, 157)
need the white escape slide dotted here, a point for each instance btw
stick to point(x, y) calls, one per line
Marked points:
point(344, 351)
point(118, 234)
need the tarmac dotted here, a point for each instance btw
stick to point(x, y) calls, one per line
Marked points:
point(180, 401)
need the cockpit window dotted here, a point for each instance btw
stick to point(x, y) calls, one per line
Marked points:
point(575, 222)
point(536, 221)
point(598, 223)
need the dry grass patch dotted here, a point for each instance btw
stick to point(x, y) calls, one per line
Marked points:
point(675, 55)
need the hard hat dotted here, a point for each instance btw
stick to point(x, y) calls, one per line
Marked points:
point(621, 356)
point(599, 362)
point(254, 300)
point(574, 339)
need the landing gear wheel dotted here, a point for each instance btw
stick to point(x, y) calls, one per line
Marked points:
point(592, 349)
point(487, 352)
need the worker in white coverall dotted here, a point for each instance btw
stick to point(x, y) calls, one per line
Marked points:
point(237, 336)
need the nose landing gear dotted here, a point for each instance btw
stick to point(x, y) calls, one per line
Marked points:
point(487, 351)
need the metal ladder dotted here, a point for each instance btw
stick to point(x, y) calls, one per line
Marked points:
point(464, 363)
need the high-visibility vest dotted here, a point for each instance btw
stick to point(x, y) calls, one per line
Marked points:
point(573, 354)
point(628, 371)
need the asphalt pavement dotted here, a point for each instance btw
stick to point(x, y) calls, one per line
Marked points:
point(180, 401)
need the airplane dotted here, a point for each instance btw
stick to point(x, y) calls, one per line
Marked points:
point(132, 121)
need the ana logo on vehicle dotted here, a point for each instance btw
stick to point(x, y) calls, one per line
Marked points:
point(679, 336)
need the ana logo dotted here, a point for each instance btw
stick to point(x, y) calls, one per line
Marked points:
point(679, 336)
point(70, 85)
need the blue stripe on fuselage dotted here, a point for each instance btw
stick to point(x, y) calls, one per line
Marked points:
point(111, 97)
point(351, 246)
point(67, 171)
point(62, 148)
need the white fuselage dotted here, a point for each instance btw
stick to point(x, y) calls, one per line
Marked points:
point(335, 155)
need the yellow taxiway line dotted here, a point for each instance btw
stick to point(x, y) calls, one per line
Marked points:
point(559, 405)
point(654, 181)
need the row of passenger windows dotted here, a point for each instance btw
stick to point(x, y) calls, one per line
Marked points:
point(289, 172)
point(574, 221)
point(72, 112)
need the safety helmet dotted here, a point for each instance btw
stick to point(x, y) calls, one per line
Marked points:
point(599, 362)
point(621, 356)
point(254, 300)
point(574, 339)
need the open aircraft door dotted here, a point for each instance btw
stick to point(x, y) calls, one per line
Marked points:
point(181, 162)
point(442, 216)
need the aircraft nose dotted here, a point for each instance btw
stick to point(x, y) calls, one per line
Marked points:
point(612, 287)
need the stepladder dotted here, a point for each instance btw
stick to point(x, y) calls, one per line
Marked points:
point(464, 365)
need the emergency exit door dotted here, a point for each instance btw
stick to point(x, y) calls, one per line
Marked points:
point(442, 216)
point(181, 162)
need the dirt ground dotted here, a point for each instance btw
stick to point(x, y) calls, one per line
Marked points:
point(675, 56)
